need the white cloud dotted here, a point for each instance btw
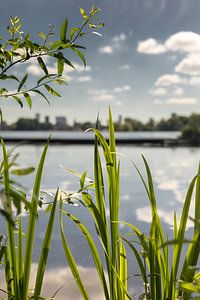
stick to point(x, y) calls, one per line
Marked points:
point(169, 185)
point(178, 91)
point(183, 41)
point(159, 92)
point(124, 88)
point(144, 214)
point(169, 79)
point(106, 50)
point(118, 103)
point(125, 67)
point(35, 70)
point(182, 101)
point(115, 44)
point(194, 81)
point(84, 78)
point(104, 97)
point(119, 38)
point(150, 46)
point(189, 65)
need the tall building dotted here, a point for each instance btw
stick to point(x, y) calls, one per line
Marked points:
point(61, 122)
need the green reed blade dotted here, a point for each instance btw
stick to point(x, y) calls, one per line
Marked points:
point(10, 229)
point(30, 235)
point(94, 252)
point(191, 259)
point(45, 249)
point(197, 202)
point(112, 143)
point(99, 184)
point(123, 273)
point(180, 237)
point(20, 265)
point(71, 260)
point(141, 266)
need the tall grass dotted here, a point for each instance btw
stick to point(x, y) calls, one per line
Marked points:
point(165, 275)
point(17, 260)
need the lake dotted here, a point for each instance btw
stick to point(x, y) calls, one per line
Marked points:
point(172, 169)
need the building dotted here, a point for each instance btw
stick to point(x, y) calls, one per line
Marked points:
point(61, 122)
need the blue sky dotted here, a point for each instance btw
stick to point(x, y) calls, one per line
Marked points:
point(146, 64)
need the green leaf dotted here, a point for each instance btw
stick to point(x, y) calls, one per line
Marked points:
point(73, 31)
point(28, 100)
point(42, 35)
point(83, 14)
point(40, 93)
point(60, 64)
point(21, 172)
point(80, 54)
point(52, 91)
point(18, 100)
point(22, 82)
point(63, 31)
point(45, 249)
point(42, 65)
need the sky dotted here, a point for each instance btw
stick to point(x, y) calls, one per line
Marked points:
point(145, 65)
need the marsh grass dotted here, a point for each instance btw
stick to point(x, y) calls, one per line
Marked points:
point(165, 272)
point(165, 275)
point(18, 259)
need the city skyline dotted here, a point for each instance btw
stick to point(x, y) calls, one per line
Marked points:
point(146, 64)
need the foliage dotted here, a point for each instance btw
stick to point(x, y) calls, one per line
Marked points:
point(20, 48)
point(164, 277)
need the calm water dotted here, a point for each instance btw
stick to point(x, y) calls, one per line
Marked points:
point(172, 169)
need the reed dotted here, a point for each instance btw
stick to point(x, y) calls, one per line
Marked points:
point(17, 261)
point(165, 277)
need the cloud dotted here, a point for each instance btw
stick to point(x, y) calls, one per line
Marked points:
point(119, 89)
point(104, 97)
point(183, 41)
point(150, 46)
point(190, 65)
point(84, 78)
point(144, 214)
point(106, 50)
point(116, 43)
point(65, 279)
point(169, 79)
point(182, 101)
point(178, 91)
point(159, 92)
point(119, 38)
point(194, 81)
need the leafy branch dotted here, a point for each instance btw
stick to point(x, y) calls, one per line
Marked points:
point(19, 48)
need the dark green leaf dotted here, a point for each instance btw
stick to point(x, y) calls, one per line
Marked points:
point(52, 91)
point(63, 31)
point(18, 100)
point(40, 93)
point(20, 172)
point(80, 54)
point(22, 82)
point(42, 65)
point(28, 100)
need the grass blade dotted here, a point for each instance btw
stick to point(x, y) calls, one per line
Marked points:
point(71, 260)
point(45, 249)
point(30, 235)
